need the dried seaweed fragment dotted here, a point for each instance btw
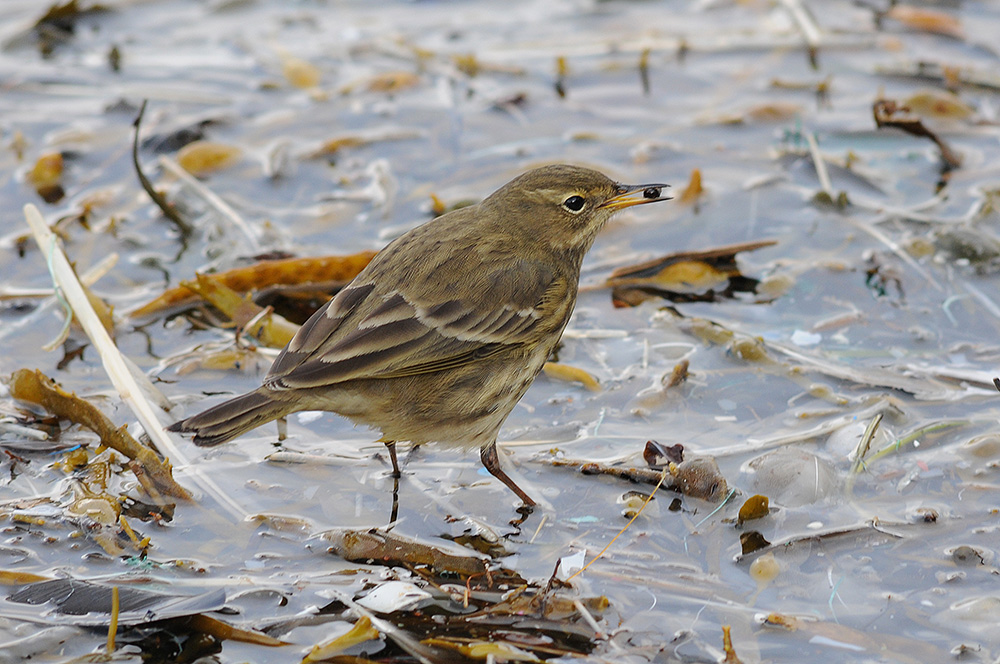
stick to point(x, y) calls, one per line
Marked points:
point(226, 632)
point(484, 650)
point(572, 374)
point(362, 631)
point(300, 73)
point(938, 104)
point(727, 645)
point(698, 477)
point(325, 270)
point(263, 325)
point(37, 388)
point(892, 647)
point(688, 276)
point(755, 507)
point(57, 25)
point(926, 20)
point(202, 158)
point(390, 549)
point(80, 602)
point(889, 113)
point(46, 177)
point(694, 190)
point(334, 145)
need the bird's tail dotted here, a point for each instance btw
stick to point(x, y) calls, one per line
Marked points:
point(232, 418)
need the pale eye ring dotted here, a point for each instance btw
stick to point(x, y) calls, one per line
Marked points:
point(574, 203)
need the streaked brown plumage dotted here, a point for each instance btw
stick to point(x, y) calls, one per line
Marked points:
point(443, 332)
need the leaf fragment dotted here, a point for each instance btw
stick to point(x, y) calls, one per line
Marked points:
point(387, 82)
point(926, 20)
point(264, 326)
point(755, 507)
point(300, 73)
point(751, 541)
point(473, 649)
point(362, 631)
point(202, 158)
point(685, 276)
point(226, 632)
point(572, 374)
point(46, 177)
point(938, 104)
point(288, 271)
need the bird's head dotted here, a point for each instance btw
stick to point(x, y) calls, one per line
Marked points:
point(565, 206)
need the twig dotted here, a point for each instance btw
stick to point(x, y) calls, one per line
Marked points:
point(663, 476)
point(66, 281)
point(897, 250)
point(888, 113)
point(861, 450)
point(165, 207)
point(644, 70)
point(807, 25)
point(545, 517)
point(589, 619)
point(913, 436)
point(865, 443)
point(819, 164)
point(114, 364)
point(933, 71)
point(210, 197)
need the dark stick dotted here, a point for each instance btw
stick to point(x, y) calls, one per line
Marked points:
point(168, 211)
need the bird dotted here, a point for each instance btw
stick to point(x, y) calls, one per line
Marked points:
point(440, 336)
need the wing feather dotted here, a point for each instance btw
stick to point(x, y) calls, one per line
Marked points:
point(366, 332)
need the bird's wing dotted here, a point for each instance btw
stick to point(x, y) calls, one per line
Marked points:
point(367, 332)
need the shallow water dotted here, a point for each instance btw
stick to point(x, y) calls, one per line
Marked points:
point(888, 306)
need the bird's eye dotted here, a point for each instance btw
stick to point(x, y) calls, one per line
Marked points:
point(574, 203)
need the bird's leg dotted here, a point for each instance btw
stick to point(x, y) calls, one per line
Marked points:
point(391, 446)
point(395, 501)
point(488, 453)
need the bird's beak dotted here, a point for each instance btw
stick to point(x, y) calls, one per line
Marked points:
point(635, 194)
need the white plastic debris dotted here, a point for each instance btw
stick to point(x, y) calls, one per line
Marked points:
point(394, 596)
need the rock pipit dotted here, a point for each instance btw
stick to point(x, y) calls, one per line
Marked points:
point(441, 335)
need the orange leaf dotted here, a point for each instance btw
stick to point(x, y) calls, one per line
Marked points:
point(288, 271)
